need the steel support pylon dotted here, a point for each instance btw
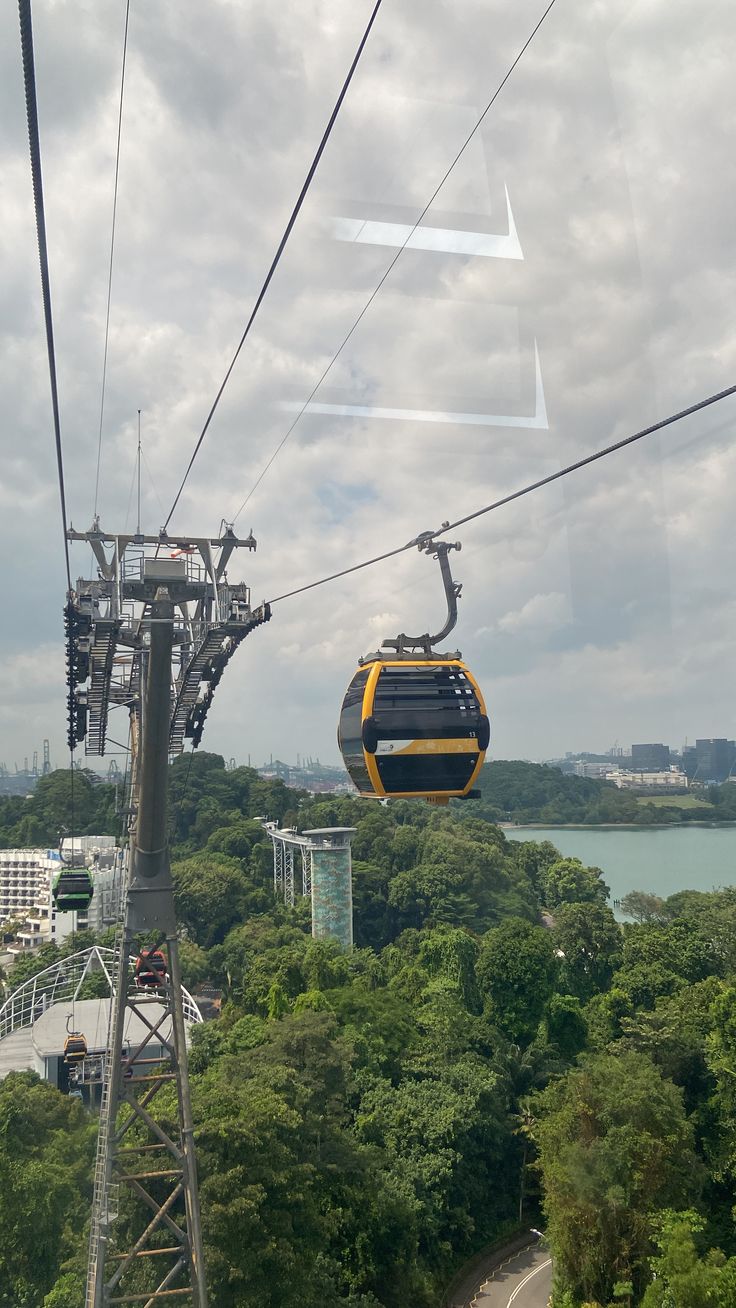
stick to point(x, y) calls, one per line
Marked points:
point(152, 632)
point(285, 846)
point(159, 1259)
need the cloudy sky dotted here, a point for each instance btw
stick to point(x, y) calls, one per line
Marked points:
point(574, 280)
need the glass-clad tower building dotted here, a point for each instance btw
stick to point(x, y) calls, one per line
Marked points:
point(332, 883)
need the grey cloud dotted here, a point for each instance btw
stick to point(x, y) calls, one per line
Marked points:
point(612, 137)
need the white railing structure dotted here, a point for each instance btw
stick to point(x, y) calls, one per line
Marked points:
point(62, 983)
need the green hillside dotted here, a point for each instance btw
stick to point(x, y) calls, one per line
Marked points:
point(366, 1122)
point(535, 792)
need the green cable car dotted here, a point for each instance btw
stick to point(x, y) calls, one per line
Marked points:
point(72, 890)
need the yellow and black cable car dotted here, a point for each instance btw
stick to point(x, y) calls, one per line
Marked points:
point(75, 1047)
point(413, 729)
point(413, 722)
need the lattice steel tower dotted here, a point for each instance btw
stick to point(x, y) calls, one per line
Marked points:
point(153, 632)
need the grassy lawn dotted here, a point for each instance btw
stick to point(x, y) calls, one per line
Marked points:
point(673, 801)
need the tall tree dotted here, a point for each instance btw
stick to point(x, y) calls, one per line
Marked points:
point(682, 1278)
point(615, 1147)
point(46, 1151)
point(568, 882)
point(516, 972)
point(589, 940)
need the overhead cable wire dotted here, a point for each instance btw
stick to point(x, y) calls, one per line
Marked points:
point(154, 488)
point(130, 495)
point(428, 537)
point(124, 787)
point(34, 142)
point(29, 80)
point(112, 254)
point(178, 804)
point(395, 260)
point(279, 251)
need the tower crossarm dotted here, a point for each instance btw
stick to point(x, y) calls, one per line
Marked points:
point(108, 620)
point(234, 632)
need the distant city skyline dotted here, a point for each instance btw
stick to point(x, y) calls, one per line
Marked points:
point(307, 758)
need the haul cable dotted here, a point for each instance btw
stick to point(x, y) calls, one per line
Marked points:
point(429, 536)
point(279, 252)
point(112, 253)
point(395, 260)
point(29, 80)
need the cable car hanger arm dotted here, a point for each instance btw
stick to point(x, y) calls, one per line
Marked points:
point(437, 549)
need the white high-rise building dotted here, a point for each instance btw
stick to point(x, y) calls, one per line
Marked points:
point(24, 876)
point(26, 884)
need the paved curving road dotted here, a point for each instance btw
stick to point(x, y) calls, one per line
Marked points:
point(523, 1281)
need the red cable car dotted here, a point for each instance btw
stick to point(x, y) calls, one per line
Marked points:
point(150, 968)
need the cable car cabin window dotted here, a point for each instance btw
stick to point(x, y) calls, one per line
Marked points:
point(74, 883)
point(349, 730)
point(72, 890)
point(425, 703)
point(400, 773)
point(150, 968)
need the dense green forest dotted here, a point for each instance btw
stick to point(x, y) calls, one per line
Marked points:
point(533, 792)
point(367, 1122)
point(55, 807)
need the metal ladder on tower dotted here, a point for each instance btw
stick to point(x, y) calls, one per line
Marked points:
point(104, 1207)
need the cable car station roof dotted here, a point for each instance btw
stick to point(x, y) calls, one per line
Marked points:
point(90, 1018)
point(54, 995)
